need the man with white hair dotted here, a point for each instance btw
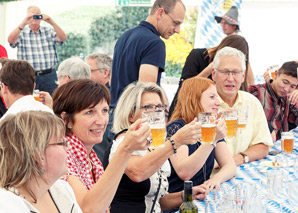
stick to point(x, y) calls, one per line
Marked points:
point(73, 68)
point(36, 44)
point(228, 72)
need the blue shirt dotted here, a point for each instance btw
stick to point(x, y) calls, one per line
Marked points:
point(38, 48)
point(137, 46)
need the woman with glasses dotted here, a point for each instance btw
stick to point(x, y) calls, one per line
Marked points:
point(195, 161)
point(199, 62)
point(84, 106)
point(32, 159)
point(143, 187)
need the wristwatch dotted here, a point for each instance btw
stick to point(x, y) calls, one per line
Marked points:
point(245, 157)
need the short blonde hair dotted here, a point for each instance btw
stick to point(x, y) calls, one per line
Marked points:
point(23, 139)
point(129, 103)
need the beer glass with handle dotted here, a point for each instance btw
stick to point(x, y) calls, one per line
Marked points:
point(287, 142)
point(156, 121)
point(242, 117)
point(208, 122)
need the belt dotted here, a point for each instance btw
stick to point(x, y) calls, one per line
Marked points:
point(43, 72)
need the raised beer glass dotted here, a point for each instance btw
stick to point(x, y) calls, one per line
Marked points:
point(156, 121)
point(231, 119)
point(207, 119)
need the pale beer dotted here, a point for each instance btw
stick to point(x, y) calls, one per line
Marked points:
point(232, 125)
point(243, 125)
point(208, 133)
point(158, 137)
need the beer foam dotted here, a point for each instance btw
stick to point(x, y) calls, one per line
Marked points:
point(208, 125)
point(230, 118)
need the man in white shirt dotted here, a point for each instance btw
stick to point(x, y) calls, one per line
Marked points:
point(17, 85)
point(228, 72)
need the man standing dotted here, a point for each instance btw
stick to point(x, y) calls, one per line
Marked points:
point(228, 72)
point(17, 84)
point(273, 95)
point(101, 68)
point(229, 21)
point(36, 45)
point(140, 53)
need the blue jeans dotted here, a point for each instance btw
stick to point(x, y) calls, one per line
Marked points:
point(108, 137)
point(47, 82)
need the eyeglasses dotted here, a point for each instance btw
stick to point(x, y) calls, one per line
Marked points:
point(98, 69)
point(227, 73)
point(150, 107)
point(62, 142)
point(175, 23)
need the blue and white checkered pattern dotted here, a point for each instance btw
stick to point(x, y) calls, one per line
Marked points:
point(209, 32)
point(255, 171)
point(38, 48)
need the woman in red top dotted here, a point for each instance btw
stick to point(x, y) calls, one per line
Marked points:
point(84, 107)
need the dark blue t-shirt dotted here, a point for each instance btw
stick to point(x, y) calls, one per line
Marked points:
point(175, 183)
point(137, 46)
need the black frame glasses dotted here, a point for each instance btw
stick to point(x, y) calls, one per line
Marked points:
point(154, 107)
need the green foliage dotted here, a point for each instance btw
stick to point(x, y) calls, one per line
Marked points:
point(75, 44)
point(107, 29)
point(173, 69)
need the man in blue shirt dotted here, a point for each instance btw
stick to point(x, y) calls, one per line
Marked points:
point(139, 54)
point(36, 45)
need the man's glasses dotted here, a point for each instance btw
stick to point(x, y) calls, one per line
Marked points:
point(151, 107)
point(175, 23)
point(62, 142)
point(227, 72)
point(98, 69)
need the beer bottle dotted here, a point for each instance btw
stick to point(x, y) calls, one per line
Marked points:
point(188, 206)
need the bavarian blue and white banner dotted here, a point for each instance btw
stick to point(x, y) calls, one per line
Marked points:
point(209, 32)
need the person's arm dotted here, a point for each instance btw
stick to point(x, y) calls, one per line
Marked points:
point(14, 35)
point(226, 164)
point(250, 76)
point(207, 71)
point(152, 161)
point(59, 32)
point(174, 200)
point(101, 195)
point(148, 73)
point(255, 152)
point(185, 165)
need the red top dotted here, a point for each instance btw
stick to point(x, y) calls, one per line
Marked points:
point(3, 53)
point(77, 162)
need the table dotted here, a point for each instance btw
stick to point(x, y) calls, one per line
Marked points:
point(255, 171)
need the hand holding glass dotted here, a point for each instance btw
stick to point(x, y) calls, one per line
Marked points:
point(156, 121)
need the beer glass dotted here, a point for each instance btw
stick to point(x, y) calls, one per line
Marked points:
point(287, 142)
point(207, 119)
point(272, 70)
point(242, 116)
point(231, 119)
point(36, 94)
point(156, 121)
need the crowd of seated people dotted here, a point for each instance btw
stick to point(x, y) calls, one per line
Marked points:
point(48, 162)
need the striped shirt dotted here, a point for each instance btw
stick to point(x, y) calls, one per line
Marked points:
point(38, 49)
point(278, 110)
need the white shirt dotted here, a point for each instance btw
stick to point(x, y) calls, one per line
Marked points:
point(61, 192)
point(26, 103)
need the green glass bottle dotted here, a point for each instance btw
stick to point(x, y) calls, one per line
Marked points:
point(188, 206)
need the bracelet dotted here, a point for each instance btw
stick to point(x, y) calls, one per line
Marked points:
point(173, 144)
point(182, 196)
point(20, 28)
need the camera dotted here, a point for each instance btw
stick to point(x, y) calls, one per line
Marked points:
point(37, 16)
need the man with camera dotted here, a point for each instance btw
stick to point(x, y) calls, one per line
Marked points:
point(36, 44)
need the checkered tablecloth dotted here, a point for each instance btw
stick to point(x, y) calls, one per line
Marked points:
point(253, 171)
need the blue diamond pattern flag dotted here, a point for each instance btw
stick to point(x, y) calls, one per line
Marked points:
point(209, 32)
